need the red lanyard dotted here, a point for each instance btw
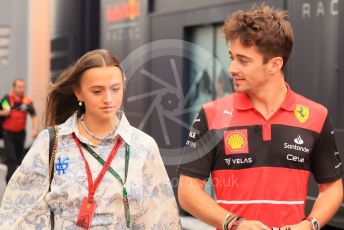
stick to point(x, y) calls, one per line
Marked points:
point(92, 187)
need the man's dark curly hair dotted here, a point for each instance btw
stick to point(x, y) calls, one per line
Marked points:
point(264, 27)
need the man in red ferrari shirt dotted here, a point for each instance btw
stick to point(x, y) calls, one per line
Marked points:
point(261, 143)
point(14, 107)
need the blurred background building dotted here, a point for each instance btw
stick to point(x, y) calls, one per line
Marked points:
point(174, 55)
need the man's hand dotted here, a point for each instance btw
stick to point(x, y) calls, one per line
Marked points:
point(252, 225)
point(303, 225)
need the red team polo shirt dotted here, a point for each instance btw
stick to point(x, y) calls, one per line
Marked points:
point(260, 168)
point(20, 107)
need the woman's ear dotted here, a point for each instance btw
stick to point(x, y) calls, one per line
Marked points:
point(77, 93)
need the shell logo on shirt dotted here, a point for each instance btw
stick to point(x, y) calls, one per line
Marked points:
point(301, 113)
point(236, 141)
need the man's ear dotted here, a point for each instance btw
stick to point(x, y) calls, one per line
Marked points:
point(276, 64)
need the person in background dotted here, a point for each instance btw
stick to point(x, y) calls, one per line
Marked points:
point(15, 106)
point(107, 174)
point(261, 143)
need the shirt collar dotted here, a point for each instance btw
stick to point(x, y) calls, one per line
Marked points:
point(123, 129)
point(289, 102)
point(243, 102)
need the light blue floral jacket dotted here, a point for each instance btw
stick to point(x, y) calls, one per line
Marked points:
point(27, 203)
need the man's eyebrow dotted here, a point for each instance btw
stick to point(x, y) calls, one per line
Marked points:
point(243, 56)
point(240, 55)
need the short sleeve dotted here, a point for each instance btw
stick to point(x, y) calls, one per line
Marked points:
point(325, 160)
point(199, 151)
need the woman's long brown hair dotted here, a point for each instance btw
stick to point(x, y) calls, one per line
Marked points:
point(61, 101)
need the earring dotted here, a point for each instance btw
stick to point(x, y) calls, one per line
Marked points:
point(80, 103)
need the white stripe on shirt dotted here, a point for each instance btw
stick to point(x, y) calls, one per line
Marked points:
point(260, 202)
